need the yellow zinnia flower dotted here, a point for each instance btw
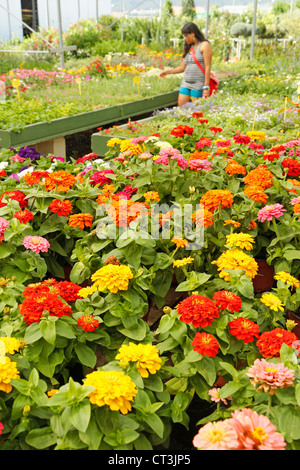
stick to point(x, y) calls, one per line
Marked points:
point(112, 388)
point(113, 142)
point(146, 357)
point(271, 301)
point(240, 240)
point(257, 135)
point(87, 291)
point(287, 278)
point(8, 372)
point(179, 263)
point(12, 345)
point(133, 149)
point(236, 260)
point(112, 277)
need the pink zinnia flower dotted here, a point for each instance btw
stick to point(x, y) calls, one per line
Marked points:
point(200, 165)
point(268, 212)
point(137, 140)
point(16, 158)
point(217, 435)
point(169, 152)
point(295, 200)
point(203, 143)
point(3, 226)
point(36, 244)
point(255, 432)
point(1, 427)
point(214, 396)
point(145, 156)
point(270, 376)
point(223, 143)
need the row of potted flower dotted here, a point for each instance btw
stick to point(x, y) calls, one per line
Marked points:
point(89, 246)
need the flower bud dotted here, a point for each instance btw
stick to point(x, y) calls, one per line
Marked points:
point(167, 310)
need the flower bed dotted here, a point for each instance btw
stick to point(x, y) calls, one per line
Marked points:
point(173, 224)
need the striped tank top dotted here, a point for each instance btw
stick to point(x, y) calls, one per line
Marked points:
point(193, 77)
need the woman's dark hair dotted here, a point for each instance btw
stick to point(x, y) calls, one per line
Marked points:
point(191, 28)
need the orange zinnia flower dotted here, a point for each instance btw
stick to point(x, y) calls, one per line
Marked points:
point(196, 155)
point(60, 181)
point(201, 218)
point(234, 168)
point(260, 176)
point(215, 197)
point(256, 193)
point(34, 177)
point(124, 211)
point(81, 220)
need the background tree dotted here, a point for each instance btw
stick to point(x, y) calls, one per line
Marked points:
point(188, 9)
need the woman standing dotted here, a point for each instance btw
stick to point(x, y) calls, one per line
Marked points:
point(195, 83)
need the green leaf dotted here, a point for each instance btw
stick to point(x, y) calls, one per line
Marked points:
point(133, 253)
point(206, 367)
point(80, 415)
point(155, 424)
point(289, 423)
point(194, 281)
point(64, 329)
point(6, 250)
point(79, 273)
point(85, 355)
point(48, 330)
point(92, 435)
point(41, 438)
point(229, 389)
point(33, 333)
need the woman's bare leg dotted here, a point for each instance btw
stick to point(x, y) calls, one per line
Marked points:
point(182, 99)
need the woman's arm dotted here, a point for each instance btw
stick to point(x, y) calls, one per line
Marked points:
point(207, 56)
point(179, 69)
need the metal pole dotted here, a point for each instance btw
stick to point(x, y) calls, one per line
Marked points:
point(97, 11)
point(207, 18)
point(48, 14)
point(253, 30)
point(9, 24)
point(62, 54)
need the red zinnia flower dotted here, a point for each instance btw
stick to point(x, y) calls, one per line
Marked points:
point(61, 207)
point(88, 322)
point(271, 156)
point(197, 114)
point(244, 329)
point(270, 342)
point(198, 310)
point(226, 299)
point(16, 196)
point(215, 129)
point(241, 139)
point(34, 306)
point(23, 216)
point(205, 344)
point(3, 173)
point(181, 130)
point(292, 165)
point(68, 291)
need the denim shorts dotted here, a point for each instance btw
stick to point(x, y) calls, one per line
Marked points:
point(189, 92)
